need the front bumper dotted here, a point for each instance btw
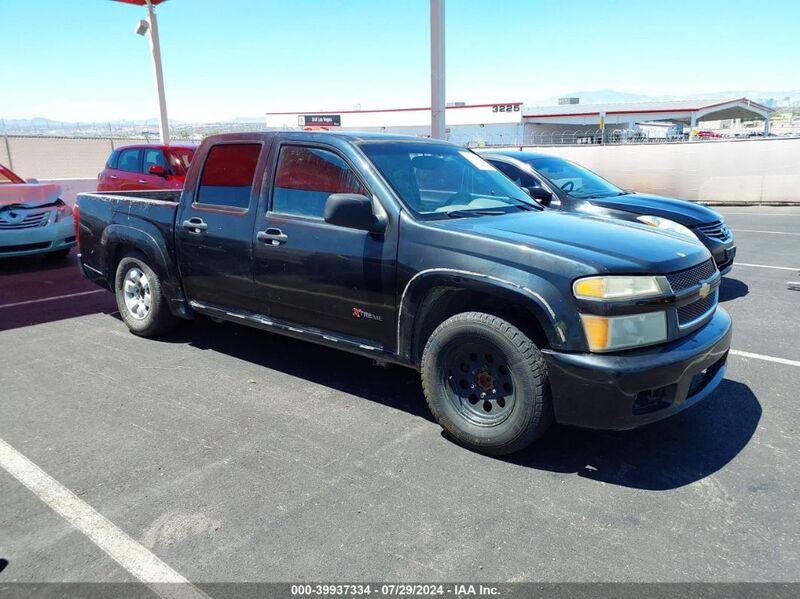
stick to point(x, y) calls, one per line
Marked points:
point(633, 388)
point(722, 251)
point(39, 240)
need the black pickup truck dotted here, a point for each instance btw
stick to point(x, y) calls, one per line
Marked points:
point(418, 252)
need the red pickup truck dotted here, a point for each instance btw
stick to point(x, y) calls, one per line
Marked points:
point(146, 166)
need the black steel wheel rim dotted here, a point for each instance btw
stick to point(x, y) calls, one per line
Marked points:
point(478, 381)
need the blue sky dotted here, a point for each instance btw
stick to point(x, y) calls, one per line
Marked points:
point(80, 60)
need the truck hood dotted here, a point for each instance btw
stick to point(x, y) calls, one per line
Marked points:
point(603, 244)
point(29, 195)
point(686, 213)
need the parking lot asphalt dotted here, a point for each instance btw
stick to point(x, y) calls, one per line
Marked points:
point(236, 455)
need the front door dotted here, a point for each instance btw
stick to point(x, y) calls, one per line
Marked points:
point(317, 275)
point(214, 228)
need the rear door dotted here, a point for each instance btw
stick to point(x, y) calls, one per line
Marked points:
point(215, 224)
point(313, 274)
point(129, 170)
point(108, 177)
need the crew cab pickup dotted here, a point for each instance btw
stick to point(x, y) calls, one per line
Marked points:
point(420, 253)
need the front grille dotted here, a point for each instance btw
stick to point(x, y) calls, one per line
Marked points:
point(30, 221)
point(689, 277)
point(717, 230)
point(24, 247)
point(696, 310)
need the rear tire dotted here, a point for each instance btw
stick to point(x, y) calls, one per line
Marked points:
point(486, 383)
point(140, 299)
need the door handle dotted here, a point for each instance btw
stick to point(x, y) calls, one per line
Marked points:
point(195, 225)
point(113, 177)
point(272, 236)
point(142, 181)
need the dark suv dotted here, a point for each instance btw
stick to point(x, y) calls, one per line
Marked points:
point(564, 185)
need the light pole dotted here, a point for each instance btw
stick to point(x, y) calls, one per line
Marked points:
point(152, 25)
point(438, 106)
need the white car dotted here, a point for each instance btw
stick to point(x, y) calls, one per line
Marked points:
point(33, 218)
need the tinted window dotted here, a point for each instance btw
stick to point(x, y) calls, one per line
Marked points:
point(306, 177)
point(437, 179)
point(517, 175)
point(154, 157)
point(228, 175)
point(129, 160)
point(112, 160)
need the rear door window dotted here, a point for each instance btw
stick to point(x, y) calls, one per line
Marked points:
point(306, 176)
point(228, 173)
point(129, 160)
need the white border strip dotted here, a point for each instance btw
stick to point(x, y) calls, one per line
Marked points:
point(50, 299)
point(797, 269)
point(769, 232)
point(129, 554)
point(726, 213)
point(747, 354)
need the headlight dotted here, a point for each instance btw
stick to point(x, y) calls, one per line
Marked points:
point(608, 333)
point(666, 225)
point(616, 288)
point(63, 212)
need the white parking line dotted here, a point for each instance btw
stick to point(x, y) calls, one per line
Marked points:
point(50, 299)
point(770, 232)
point(796, 269)
point(764, 213)
point(747, 354)
point(129, 554)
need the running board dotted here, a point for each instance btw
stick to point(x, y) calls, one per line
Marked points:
point(260, 321)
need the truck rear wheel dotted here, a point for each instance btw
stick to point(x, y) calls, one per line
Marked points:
point(141, 302)
point(486, 383)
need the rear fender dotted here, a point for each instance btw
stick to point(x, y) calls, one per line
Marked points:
point(122, 238)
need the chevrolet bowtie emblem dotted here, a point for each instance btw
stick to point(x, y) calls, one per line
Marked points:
point(704, 289)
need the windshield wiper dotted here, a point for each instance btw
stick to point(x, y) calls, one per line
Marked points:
point(604, 195)
point(474, 212)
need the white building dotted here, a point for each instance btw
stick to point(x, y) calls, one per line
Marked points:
point(490, 124)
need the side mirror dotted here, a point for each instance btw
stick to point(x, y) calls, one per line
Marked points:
point(32, 180)
point(354, 211)
point(157, 169)
point(540, 194)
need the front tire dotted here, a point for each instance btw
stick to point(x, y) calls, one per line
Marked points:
point(486, 383)
point(140, 299)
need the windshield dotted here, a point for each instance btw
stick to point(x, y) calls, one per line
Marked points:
point(437, 181)
point(180, 159)
point(574, 180)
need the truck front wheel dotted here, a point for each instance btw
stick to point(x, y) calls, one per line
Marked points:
point(140, 299)
point(486, 383)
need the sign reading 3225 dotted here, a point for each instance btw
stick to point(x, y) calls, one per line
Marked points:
point(505, 107)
